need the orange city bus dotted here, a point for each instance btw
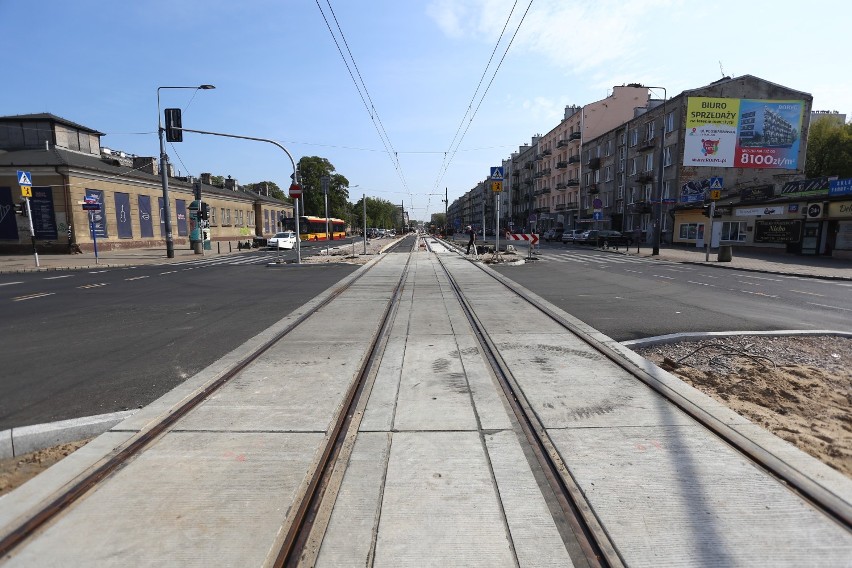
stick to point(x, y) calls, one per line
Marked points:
point(313, 228)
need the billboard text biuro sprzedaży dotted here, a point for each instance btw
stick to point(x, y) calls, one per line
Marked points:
point(742, 133)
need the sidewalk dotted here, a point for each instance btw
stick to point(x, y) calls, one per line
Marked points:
point(755, 261)
point(106, 259)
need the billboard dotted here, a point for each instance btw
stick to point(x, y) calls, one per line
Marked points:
point(742, 133)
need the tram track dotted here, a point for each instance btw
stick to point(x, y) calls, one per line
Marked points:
point(813, 492)
point(303, 527)
point(35, 520)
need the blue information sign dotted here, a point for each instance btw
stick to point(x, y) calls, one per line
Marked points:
point(840, 187)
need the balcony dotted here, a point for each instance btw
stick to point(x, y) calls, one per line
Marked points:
point(575, 136)
point(593, 188)
point(538, 174)
point(572, 206)
point(639, 208)
point(528, 165)
point(516, 173)
point(545, 171)
point(542, 210)
point(572, 183)
point(644, 177)
point(562, 143)
point(561, 185)
point(574, 159)
point(561, 165)
point(537, 192)
point(528, 182)
point(547, 152)
point(648, 144)
point(560, 207)
point(594, 163)
point(544, 190)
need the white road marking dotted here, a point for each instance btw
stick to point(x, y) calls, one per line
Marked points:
point(135, 278)
point(169, 272)
point(58, 277)
point(760, 278)
point(808, 293)
point(10, 283)
point(666, 277)
point(701, 283)
point(832, 307)
point(98, 271)
point(33, 296)
point(758, 294)
point(98, 285)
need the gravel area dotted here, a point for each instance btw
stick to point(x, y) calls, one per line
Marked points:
point(799, 388)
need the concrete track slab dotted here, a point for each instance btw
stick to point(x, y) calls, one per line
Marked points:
point(675, 492)
point(440, 507)
point(187, 483)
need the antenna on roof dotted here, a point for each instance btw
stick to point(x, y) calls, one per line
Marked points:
point(721, 70)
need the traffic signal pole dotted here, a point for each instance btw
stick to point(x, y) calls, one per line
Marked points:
point(292, 161)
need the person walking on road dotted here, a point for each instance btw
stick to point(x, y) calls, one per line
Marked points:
point(472, 238)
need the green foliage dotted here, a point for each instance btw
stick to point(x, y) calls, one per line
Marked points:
point(380, 213)
point(311, 170)
point(829, 150)
point(217, 181)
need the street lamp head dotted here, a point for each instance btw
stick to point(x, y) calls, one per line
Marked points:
point(207, 87)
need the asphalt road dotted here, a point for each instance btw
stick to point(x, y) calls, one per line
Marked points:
point(631, 298)
point(85, 342)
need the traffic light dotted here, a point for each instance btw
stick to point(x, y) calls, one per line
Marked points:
point(173, 125)
point(21, 209)
point(705, 210)
point(196, 190)
point(204, 212)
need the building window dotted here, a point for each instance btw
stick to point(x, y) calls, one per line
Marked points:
point(608, 173)
point(212, 215)
point(667, 156)
point(669, 125)
point(649, 162)
point(649, 130)
point(608, 148)
point(223, 216)
point(634, 137)
point(689, 231)
point(632, 166)
point(734, 231)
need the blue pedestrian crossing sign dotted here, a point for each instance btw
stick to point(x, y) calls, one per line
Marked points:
point(24, 178)
point(715, 183)
point(497, 173)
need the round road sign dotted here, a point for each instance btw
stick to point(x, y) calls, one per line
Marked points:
point(295, 191)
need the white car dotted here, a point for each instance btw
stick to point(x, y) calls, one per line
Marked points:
point(282, 241)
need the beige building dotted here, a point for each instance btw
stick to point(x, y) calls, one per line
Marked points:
point(68, 166)
point(558, 161)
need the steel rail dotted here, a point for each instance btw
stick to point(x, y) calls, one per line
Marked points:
point(819, 496)
point(589, 533)
point(68, 497)
point(290, 551)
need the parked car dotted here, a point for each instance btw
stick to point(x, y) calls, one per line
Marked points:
point(551, 235)
point(282, 241)
point(604, 238)
point(571, 236)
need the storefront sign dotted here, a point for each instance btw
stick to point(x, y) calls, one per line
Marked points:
point(97, 219)
point(44, 218)
point(756, 194)
point(840, 210)
point(781, 231)
point(759, 211)
point(816, 186)
point(122, 215)
point(840, 187)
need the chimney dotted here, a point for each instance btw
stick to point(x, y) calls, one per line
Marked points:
point(231, 184)
point(205, 179)
point(147, 165)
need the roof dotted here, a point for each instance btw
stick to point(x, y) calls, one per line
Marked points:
point(746, 77)
point(42, 116)
point(59, 157)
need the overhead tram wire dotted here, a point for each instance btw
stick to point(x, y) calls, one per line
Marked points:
point(371, 109)
point(476, 91)
point(493, 76)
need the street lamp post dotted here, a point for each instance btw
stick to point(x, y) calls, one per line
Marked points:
point(164, 172)
point(658, 221)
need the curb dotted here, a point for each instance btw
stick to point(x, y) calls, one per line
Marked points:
point(19, 441)
point(698, 336)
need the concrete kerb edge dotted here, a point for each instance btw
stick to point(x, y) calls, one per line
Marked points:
point(818, 472)
point(698, 336)
point(21, 440)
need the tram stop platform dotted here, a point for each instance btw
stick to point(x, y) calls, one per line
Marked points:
point(437, 469)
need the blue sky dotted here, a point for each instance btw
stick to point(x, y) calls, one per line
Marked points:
point(279, 75)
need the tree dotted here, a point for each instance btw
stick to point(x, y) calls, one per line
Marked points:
point(829, 151)
point(217, 181)
point(311, 171)
point(380, 213)
point(261, 188)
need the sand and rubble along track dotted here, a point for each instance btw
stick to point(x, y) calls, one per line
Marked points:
point(797, 387)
